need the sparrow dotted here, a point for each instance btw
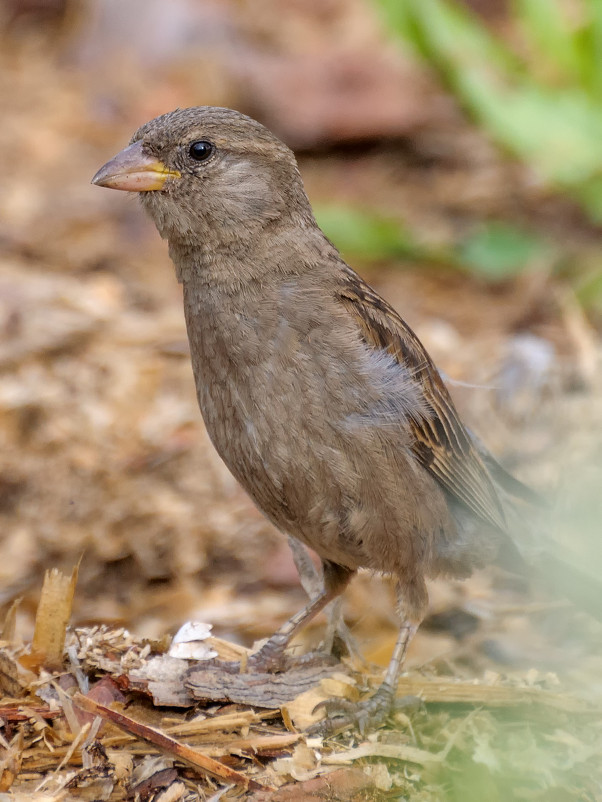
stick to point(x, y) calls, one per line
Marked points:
point(319, 398)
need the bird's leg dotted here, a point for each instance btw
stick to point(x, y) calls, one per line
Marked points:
point(271, 657)
point(337, 637)
point(373, 712)
point(309, 575)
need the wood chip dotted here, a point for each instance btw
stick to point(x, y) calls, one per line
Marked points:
point(454, 692)
point(52, 617)
point(260, 690)
point(192, 757)
point(10, 683)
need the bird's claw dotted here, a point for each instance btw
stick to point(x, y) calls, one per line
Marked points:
point(264, 661)
point(272, 660)
point(362, 716)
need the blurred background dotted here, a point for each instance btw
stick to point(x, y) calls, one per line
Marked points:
point(452, 151)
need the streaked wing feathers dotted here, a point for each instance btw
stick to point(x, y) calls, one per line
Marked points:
point(443, 446)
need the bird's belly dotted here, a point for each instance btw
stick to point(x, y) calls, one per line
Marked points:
point(336, 488)
point(314, 435)
point(273, 445)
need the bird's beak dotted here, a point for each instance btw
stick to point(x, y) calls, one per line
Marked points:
point(133, 170)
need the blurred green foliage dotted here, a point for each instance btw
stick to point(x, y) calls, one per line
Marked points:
point(537, 92)
point(493, 250)
point(363, 234)
point(526, 752)
point(497, 250)
point(544, 105)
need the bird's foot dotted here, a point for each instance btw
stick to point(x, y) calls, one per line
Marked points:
point(268, 660)
point(362, 716)
point(272, 659)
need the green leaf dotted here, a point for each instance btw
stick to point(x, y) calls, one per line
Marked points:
point(360, 233)
point(549, 33)
point(589, 290)
point(556, 130)
point(498, 250)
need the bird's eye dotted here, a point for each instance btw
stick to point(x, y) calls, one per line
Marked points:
point(200, 151)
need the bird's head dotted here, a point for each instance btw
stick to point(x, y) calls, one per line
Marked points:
point(209, 176)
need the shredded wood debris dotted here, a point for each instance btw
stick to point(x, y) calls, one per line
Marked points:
point(54, 612)
point(122, 719)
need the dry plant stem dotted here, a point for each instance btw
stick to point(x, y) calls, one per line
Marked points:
point(24, 713)
point(193, 757)
point(9, 625)
point(449, 691)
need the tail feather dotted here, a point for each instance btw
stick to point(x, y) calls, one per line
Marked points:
point(528, 515)
point(563, 578)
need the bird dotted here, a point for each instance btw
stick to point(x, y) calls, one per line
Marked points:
point(317, 395)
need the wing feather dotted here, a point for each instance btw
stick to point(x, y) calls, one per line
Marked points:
point(442, 444)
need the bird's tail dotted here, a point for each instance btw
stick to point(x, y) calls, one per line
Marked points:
point(562, 577)
point(559, 569)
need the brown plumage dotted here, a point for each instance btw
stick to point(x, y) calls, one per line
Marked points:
point(318, 397)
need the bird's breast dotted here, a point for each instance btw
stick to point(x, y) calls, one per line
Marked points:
point(310, 420)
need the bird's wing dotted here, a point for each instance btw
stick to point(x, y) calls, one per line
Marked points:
point(442, 444)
